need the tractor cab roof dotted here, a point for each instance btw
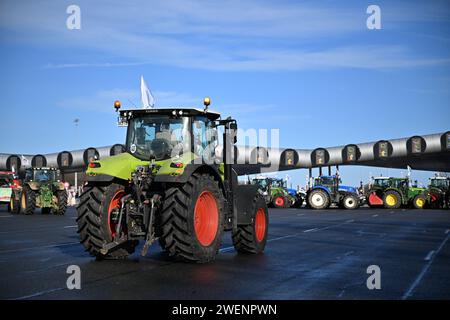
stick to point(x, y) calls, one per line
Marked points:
point(186, 112)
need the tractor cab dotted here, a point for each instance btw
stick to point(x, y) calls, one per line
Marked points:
point(42, 175)
point(166, 133)
point(441, 183)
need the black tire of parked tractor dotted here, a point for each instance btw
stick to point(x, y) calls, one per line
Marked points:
point(93, 221)
point(350, 202)
point(298, 202)
point(14, 205)
point(62, 196)
point(176, 227)
point(419, 201)
point(318, 193)
point(46, 210)
point(28, 200)
point(279, 202)
point(252, 238)
point(395, 194)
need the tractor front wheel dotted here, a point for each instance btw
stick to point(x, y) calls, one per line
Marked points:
point(252, 238)
point(392, 199)
point(28, 200)
point(318, 199)
point(279, 201)
point(191, 221)
point(419, 201)
point(350, 202)
point(61, 195)
point(97, 220)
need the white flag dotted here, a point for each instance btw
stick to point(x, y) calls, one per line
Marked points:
point(146, 96)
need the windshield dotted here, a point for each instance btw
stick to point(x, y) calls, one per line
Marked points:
point(160, 136)
point(381, 182)
point(323, 181)
point(278, 183)
point(440, 183)
point(261, 183)
point(44, 175)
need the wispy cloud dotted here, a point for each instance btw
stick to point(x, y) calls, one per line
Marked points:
point(236, 36)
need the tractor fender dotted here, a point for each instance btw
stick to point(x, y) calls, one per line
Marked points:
point(33, 185)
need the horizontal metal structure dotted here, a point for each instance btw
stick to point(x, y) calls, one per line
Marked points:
point(427, 152)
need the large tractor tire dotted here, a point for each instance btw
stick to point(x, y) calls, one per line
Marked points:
point(252, 238)
point(191, 221)
point(279, 201)
point(28, 200)
point(350, 202)
point(419, 201)
point(318, 199)
point(97, 214)
point(14, 205)
point(61, 195)
point(392, 199)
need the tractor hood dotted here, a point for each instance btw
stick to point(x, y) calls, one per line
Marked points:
point(123, 165)
point(347, 189)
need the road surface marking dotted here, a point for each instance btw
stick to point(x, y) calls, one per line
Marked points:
point(66, 227)
point(37, 294)
point(429, 255)
point(311, 230)
point(447, 231)
point(419, 278)
point(375, 215)
point(269, 240)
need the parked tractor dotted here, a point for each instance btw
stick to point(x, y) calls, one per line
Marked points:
point(276, 193)
point(392, 193)
point(41, 188)
point(439, 192)
point(327, 190)
point(8, 182)
point(170, 185)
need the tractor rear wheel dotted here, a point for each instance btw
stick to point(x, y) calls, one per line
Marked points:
point(61, 195)
point(14, 205)
point(252, 238)
point(350, 202)
point(279, 201)
point(97, 213)
point(191, 220)
point(28, 200)
point(392, 199)
point(318, 199)
point(419, 201)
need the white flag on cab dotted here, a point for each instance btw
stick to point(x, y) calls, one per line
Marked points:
point(146, 96)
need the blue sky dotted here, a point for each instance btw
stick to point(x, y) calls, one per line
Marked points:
point(310, 68)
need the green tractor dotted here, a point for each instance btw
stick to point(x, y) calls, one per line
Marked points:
point(172, 186)
point(439, 192)
point(41, 188)
point(395, 192)
point(275, 192)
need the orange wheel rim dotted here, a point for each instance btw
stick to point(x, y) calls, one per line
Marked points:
point(114, 204)
point(279, 201)
point(260, 225)
point(206, 218)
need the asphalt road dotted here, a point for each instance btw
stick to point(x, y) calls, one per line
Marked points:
point(310, 255)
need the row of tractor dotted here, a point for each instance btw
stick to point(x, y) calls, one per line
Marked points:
point(325, 191)
point(39, 188)
point(393, 193)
